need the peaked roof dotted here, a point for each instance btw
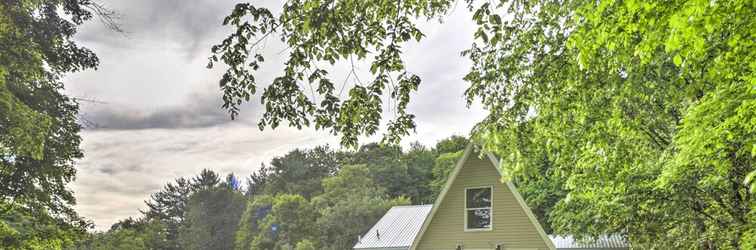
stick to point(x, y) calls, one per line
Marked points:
point(397, 229)
point(402, 226)
point(469, 150)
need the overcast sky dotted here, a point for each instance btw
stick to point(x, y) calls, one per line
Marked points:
point(158, 113)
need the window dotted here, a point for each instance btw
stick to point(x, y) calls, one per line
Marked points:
point(478, 208)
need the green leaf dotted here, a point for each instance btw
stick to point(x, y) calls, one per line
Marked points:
point(677, 60)
point(750, 181)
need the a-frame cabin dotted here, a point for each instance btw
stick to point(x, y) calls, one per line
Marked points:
point(476, 209)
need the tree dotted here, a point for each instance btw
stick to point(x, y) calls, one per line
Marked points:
point(39, 134)
point(323, 33)
point(350, 205)
point(305, 245)
point(442, 167)
point(127, 234)
point(205, 180)
point(291, 220)
point(449, 151)
point(212, 218)
point(609, 101)
point(644, 110)
point(298, 172)
point(541, 188)
point(169, 205)
point(116, 239)
point(451, 144)
point(384, 163)
point(419, 161)
point(256, 182)
point(249, 226)
point(22, 228)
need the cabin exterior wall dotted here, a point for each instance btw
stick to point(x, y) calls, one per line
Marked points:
point(511, 227)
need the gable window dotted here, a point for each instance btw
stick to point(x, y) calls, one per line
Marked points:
point(478, 208)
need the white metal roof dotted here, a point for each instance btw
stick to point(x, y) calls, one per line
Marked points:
point(397, 229)
point(603, 242)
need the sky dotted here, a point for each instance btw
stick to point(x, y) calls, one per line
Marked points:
point(154, 111)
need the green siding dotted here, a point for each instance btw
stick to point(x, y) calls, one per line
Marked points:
point(511, 226)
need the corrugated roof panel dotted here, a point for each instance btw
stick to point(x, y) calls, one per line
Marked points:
point(603, 242)
point(397, 229)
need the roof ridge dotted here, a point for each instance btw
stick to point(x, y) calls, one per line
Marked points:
point(423, 205)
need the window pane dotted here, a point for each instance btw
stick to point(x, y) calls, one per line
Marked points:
point(478, 197)
point(479, 219)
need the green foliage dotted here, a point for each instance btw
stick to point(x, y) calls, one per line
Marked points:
point(389, 170)
point(448, 152)
point(212, 218)
point(642, 109)
point(419, 161)
point(291, 220)
point(249, 225)
point(128, 234)
point(749, 238)
point(541, 188)
point(405, 174)
point(401, 174)
point(636, 116)
point(39, 136)
point(297, 172)
point(304, 199)
point(451, 144)
point(119, 239)
point(305, 245)
point(169, 206)
point(346, 202)
point(320, 34)
point(350, 205)
point(23, 228)
point(205, 180)
point(442, 168)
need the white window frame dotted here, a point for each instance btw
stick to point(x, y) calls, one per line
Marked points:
point(464, 206)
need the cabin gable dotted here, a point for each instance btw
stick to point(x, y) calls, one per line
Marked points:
point(512, 227)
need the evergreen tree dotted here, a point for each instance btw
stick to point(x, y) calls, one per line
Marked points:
point(212, 218)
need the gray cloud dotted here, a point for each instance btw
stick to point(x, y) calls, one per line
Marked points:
point(184, 24)
point(199, 110)
point(123, 167)
point(162, 118)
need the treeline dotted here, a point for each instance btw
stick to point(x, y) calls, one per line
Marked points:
point(316, 198)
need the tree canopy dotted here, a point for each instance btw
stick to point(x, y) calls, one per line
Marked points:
point(316, 198)
point(170, 205)
point(320, 34)
point(641, 111)
point(23, 228)
point(212, 218)
point(39, 134)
